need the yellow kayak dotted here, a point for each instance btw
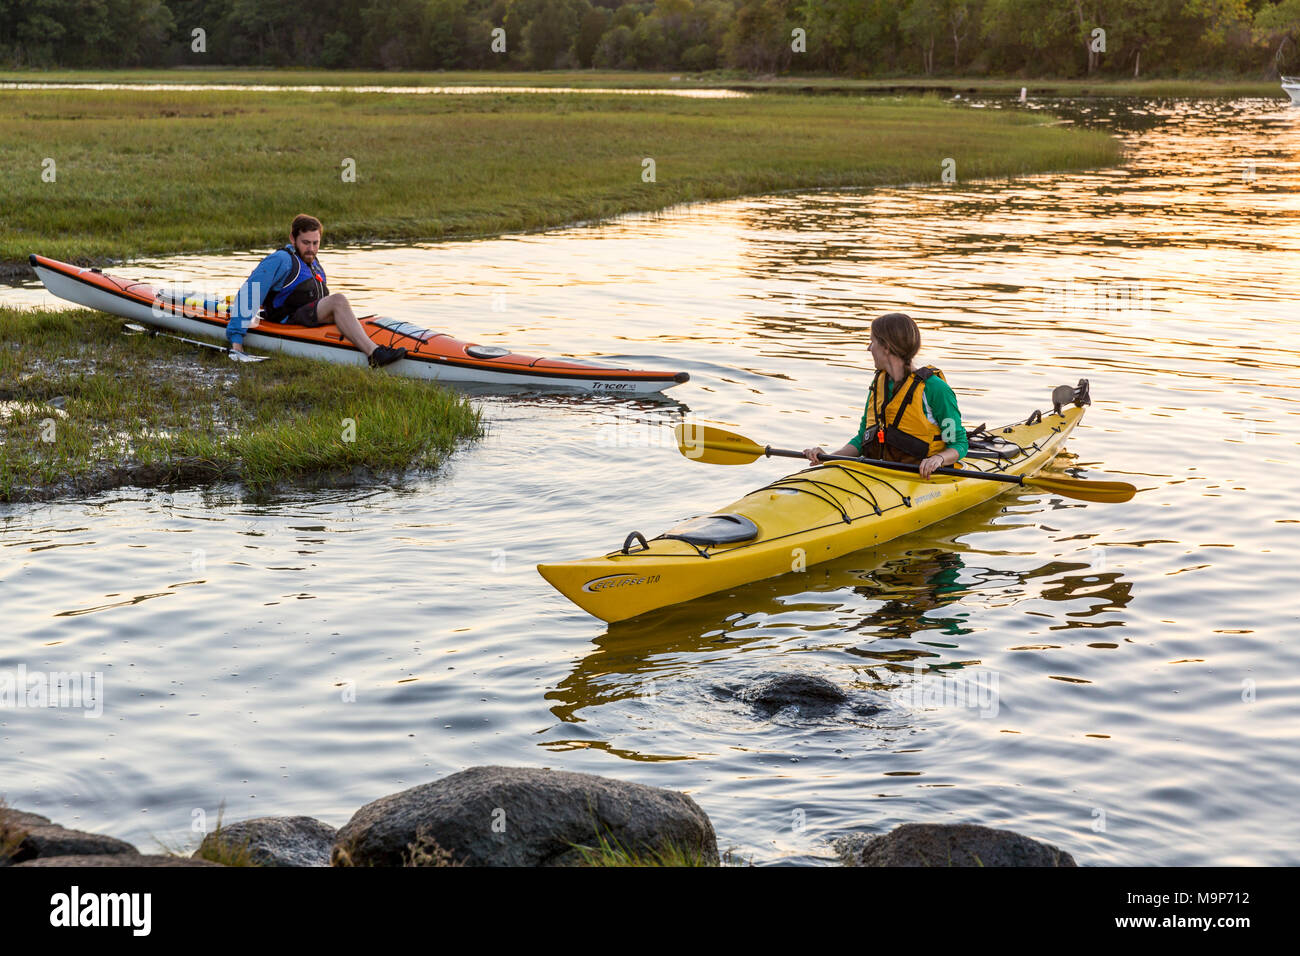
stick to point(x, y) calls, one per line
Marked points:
point(814, 515)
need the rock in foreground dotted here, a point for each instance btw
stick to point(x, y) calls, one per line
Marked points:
point(30, 836)
point(272, 841)
point(519, 816)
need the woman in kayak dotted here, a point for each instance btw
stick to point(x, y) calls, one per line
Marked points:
point(911, 414)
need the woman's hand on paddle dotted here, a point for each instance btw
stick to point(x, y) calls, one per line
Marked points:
point(928, 465)
point(814, 454)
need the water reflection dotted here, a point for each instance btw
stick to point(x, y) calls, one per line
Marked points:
point(707, 94)
point(907, 607)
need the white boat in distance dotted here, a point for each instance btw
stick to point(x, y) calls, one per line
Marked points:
point(1292, 86)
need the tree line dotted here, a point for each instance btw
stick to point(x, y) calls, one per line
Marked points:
point(1064, 38)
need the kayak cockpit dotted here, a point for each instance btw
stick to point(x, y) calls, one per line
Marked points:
point(713, 530)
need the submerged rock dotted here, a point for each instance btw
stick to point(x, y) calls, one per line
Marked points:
point(948, 844)
point(273, 841)
point(521, 816)
point(812, 695)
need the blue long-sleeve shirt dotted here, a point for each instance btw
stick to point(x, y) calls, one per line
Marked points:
point(267, 277)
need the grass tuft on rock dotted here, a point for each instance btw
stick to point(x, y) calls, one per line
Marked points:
point(426, 851)
point(609, 852)
point(225, 851)
point(11, 834)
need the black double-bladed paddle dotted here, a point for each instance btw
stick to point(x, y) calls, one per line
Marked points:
point(716, 446)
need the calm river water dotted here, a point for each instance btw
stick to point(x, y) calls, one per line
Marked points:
point(1147, 691)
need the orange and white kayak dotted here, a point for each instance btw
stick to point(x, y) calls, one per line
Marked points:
point(430, 354)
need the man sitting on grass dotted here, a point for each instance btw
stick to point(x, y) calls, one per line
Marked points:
point(296, 294)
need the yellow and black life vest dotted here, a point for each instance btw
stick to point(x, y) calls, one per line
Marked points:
point(901, 431)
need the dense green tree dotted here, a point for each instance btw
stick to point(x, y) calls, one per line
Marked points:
point(414, 34)
point(628, 14)
point(1033, 37)
point(699, 58)
point(591, 28)
point(614, 52)
point(1147, 32)
point(1278, 25)
point(759, 37)
point(858, 37)
point(30, 31)
point(854, 36)
point(922, 23)
point(649, 45)
point(960, 17)
point(548, 35)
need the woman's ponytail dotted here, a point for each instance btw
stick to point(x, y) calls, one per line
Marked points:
point(899, 334)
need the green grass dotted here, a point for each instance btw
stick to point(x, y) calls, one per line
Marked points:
point(609, 852)
point(132, 410)
point(152, 173)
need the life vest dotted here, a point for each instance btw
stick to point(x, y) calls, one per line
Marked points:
point(305, 284)
point(901, 431)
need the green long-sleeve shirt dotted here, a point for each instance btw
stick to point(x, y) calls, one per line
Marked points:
point(940, 405)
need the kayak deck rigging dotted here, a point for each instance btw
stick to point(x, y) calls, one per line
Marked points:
point(804, 482)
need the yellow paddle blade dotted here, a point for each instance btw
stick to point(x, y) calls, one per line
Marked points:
point(1085, 490)
point(715, 446)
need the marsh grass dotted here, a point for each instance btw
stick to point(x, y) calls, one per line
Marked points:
point(167, 171)
point(135, 410)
